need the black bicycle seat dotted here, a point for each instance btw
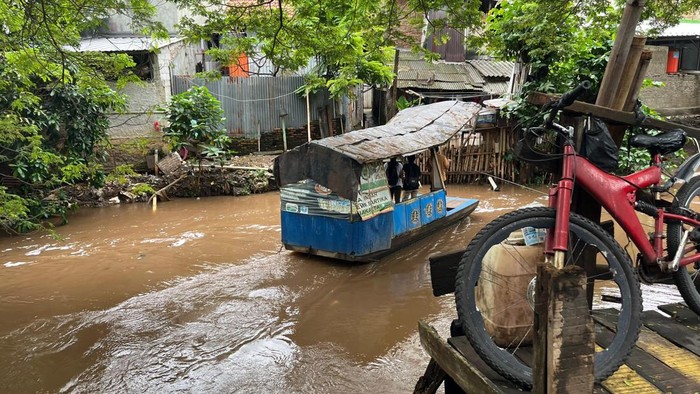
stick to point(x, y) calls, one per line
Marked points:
point(662, 144)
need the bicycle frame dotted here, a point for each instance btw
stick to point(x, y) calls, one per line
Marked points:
point(618, 196)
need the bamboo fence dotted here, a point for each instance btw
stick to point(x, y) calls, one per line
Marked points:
point(474, 155)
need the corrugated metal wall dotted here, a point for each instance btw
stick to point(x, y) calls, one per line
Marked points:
point(257, 103)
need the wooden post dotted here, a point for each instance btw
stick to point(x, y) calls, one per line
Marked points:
point(431, 379)
point(308, 116)
point(619, 53)
point(394, 87)
point(284, 134)
point(629, 72)
point(644, 60)
point(564, 335)
point(155, 161)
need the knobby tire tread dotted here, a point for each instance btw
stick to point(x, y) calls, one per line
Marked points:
point(524, 379)
point(684, 283)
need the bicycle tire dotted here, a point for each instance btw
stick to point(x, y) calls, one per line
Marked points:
point(687, 281)
point(503, 359)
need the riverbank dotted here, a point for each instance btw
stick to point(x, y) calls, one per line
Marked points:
point(240, 176)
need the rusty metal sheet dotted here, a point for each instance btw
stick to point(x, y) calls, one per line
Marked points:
point(412, 130)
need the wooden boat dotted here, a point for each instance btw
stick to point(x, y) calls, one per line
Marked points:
point(334, 194)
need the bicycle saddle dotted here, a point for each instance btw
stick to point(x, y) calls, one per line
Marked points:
point(662, 144)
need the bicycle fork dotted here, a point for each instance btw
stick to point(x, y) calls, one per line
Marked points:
point(556, 244)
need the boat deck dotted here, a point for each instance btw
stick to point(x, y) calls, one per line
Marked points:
point(665, 360)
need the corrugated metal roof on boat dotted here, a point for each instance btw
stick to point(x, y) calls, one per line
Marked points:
point(411, 130)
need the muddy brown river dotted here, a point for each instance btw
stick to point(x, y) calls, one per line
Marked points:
point(199, 296)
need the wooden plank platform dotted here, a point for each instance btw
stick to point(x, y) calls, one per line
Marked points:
point(665, 360)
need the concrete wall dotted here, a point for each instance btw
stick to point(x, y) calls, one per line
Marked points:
point(681, 93)
point(167, 13)
point(145, 98)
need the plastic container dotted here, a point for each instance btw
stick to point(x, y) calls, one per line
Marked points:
point(507, 270)
point(674, 56)
point(487, 117)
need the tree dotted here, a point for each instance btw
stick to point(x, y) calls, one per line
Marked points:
point(54, 100)
point(196, 123)
point(350, 42)
point(566, 41)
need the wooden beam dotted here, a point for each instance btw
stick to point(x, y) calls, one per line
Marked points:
point(633, 94)
point(623, 117)
point(431, 379)
point(564, 343)
point(470, 379)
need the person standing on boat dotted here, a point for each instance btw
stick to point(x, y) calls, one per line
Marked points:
point(394, 171)
point(411, 178)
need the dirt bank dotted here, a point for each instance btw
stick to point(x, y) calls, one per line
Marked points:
point(242, 175)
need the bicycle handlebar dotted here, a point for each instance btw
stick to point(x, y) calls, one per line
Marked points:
point(567, 99)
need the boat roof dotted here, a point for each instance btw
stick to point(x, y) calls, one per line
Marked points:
point(336, 162)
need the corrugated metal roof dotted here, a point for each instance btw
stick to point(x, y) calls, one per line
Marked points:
point(414, 72)
point(411, 130)
point(415, 65)
point(683, 29)
point(496, 87)
point(124, 44)
point(436, 85)
point(474, 74)
point(337, 162)
point(492, 69)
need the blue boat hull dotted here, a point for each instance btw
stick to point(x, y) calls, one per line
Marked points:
point(369, 240)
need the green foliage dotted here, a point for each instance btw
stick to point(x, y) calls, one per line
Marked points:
point(350, 42)
point(196, 123)
point(50, 134)
point(403, 103)
point(123, 169)
point(54, 100)
point(142, 189)
point(120, 175)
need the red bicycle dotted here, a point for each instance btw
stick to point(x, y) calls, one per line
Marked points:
point(496, 277)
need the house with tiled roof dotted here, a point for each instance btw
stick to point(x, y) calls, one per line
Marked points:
point(470, 80)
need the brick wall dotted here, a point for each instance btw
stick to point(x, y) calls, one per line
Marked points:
point(273, 141)
point(681, 90)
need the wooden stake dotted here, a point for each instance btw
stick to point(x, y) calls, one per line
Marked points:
point(562, 318)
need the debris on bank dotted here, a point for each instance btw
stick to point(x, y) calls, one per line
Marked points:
point(240, 176)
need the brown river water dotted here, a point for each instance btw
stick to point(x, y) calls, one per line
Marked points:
point(200, 296)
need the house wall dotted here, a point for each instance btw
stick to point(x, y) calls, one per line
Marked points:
point(147, 97)
point(167, 13)
point(681, 93)
point(142, 111)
